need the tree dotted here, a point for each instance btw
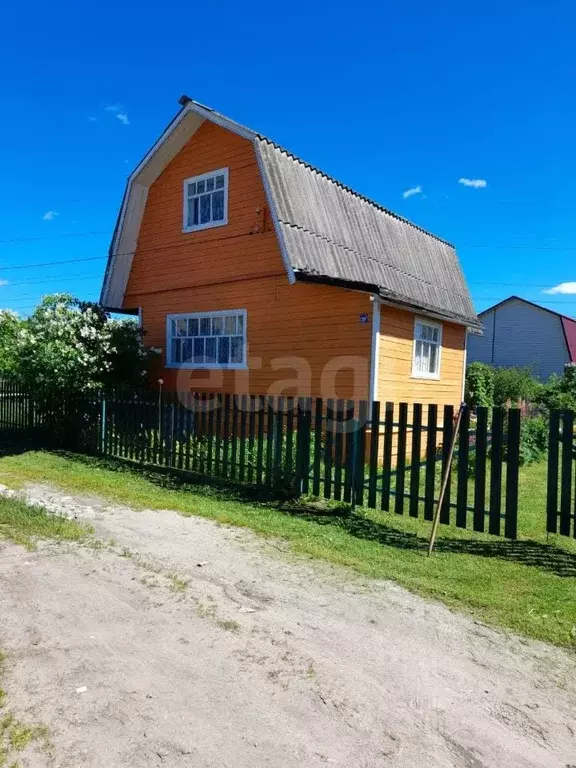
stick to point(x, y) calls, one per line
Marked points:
point(73, 345)
point(559, 392)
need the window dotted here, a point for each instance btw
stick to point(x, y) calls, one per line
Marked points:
point(206, 201)
point(427, 346)
point(207, 340)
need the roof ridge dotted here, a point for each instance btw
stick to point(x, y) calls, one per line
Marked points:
point(514, 296)
point(369, 258)
point(341, 184)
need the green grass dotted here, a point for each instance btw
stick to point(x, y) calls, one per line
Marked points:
point(23, 523)
point(528, 586)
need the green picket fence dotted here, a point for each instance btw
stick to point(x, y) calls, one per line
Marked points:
point(561, 491)
point(385, 456)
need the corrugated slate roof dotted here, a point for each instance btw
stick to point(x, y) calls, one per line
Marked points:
point(333, 232)
point(327, 232)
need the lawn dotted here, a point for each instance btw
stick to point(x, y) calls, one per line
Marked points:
point(528, 586)
point(23, 524)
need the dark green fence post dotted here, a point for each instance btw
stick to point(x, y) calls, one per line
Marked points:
point(387, 459)
point(512, 473)
point(552, 479)
point(480, 469)
point(447, 437)
point(361, 425)
point(566, 482)
point(374, 444)
point(401, 458)
point(496, 472)
point(462, 470)
point(430, 474)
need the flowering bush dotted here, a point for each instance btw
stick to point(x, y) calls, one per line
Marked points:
point(72, 345)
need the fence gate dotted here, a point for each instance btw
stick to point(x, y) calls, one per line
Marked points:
point(561, 492)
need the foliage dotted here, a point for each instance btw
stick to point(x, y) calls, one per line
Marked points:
point(533, 440)
point(489, 386)
point(9, 327)
point(559, 392)
point(514, 385)
point(480, 385)
point(72, 345)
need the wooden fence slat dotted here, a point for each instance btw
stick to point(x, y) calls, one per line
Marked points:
point(566, 478)
point(387, 457)
point(234, 439)
point(251, 439)
point(430, 474)
point(226, 437)
point(278, 442)
point(512, 473)
point(260, 444)
point(552, 478)
point(401, 458)
point(318, 408)
point(270, 425)
point(243, 420)
point(329, 448)
point(447, 436)
point(496, 472)
point(289, 465)
point(338, 449)
point(462, 470)
point(415, 459)
point(349, 449)
point(480, 469)
point(374, 446)
point(360, 456)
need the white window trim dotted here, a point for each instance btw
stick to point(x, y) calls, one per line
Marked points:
point(206, 366)
point(210, 224)
point(417, 374)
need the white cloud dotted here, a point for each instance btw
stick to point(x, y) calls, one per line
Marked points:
point(476, 183)
point(412, 191)
point(4, 282)
point(567, 288)
point(119, 113)
point(50, 215)
point(92, 119)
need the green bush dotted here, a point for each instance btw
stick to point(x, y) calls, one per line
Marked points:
point(533, 440)
point(479, 385)
point(559, 392)
point(514, 385)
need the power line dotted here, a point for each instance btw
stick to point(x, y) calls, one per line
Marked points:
point(15, 240)
point(53, 263)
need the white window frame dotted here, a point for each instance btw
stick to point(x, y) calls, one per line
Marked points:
point(418, 374)
point(206, 366)
point(195, 179)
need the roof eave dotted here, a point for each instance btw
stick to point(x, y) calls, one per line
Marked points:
point(391, 300)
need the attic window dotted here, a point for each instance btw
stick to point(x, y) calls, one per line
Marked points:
point(427, 347)
point(207, 340)
point(206, 201)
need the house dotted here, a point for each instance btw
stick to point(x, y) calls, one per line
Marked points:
point(256, 272)
point(520, 333)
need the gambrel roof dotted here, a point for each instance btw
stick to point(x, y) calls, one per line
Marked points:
point(326, 231)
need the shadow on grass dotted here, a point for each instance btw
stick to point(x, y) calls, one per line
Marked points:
point(16, 443)
point(526, 552)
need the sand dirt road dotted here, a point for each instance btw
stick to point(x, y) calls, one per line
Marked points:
point(201, 645)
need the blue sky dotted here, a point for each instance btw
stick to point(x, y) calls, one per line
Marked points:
point(385, 96)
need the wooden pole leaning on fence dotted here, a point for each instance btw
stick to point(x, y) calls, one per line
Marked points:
point(445, 480)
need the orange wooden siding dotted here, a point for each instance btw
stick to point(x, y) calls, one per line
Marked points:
point(239, 266)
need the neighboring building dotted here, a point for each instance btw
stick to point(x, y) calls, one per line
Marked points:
point(520, 333)
point(255, 272)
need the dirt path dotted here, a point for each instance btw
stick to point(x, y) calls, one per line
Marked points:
point(202, 646)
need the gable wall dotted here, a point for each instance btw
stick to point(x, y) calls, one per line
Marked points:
point(519, 334)
point(237, 266)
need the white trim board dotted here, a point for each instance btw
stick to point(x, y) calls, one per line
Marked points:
point(375, 350)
